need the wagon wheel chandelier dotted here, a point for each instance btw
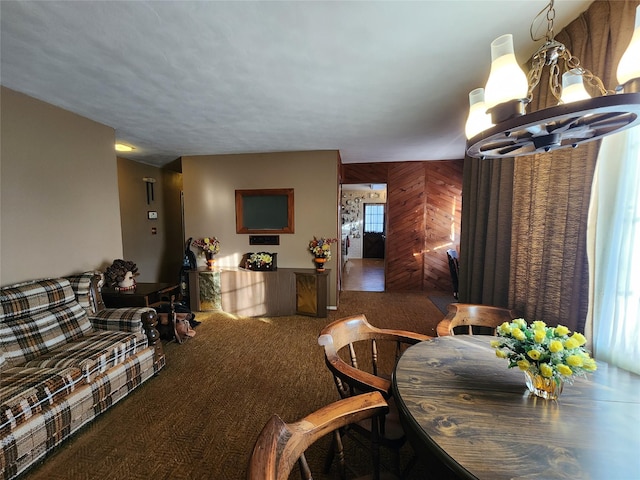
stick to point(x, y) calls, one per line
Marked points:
point(498, 126)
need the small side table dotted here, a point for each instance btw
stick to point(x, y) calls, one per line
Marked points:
point(144, 295)
point(311, 294)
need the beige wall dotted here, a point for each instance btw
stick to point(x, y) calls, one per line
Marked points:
point(59, 191)
point(158, 255)
point(209, 200)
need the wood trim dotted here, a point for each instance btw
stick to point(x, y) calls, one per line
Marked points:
point(240, 194)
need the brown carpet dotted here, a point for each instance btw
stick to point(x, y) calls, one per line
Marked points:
point(442, 301)
point(199, 418)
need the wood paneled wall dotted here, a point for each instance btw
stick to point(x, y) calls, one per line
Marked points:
point(424, 206)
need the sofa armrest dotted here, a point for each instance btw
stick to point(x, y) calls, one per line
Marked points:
point(120, 319)
point(132, 319)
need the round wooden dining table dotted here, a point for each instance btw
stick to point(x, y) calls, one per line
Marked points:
point(463, 408)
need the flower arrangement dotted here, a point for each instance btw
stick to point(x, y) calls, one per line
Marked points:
point(117, 272)
point(321, 247)
point(554, 353)
point(209, 245)
point(260, 261)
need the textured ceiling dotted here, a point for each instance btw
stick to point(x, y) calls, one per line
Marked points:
point(378, 81)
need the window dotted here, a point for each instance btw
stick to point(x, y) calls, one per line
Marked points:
point(374, 218)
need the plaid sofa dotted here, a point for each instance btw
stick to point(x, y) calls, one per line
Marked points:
point(64, 359)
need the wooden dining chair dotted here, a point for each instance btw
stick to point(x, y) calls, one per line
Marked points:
point(472, 319)
point(280, 445)
point(361, 358)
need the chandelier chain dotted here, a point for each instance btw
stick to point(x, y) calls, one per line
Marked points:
point(550, 54)
point(551, 14)
point(555, 83)
point(533, 77)
point(593, 80)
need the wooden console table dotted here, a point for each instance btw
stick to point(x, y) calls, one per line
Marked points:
point(249, 293)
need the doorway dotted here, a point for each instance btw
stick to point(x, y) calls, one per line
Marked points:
point(363, 239)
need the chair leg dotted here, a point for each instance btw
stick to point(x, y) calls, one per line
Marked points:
point(409, 466)
point(342, 466)
point(375, 447)
point(305, 472)
point(336, 448)
point(330, 454)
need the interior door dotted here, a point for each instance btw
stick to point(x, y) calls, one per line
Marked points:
point(374, 233)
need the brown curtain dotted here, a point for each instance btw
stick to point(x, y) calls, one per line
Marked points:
point(485, 236)
point(549, 268)
point(547, 271)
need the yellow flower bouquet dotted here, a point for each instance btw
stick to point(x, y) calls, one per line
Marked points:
point(549, 356)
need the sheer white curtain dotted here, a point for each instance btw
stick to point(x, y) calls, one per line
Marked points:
point(614, 252)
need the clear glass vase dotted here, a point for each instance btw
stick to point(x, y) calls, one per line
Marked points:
point(549, 388)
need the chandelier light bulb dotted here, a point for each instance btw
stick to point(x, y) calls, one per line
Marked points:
point(573, 87)
point(629, 66)
point(478, 120)
point(506, 80)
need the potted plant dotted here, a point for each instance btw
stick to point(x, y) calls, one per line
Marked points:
point(321, 250)
point(261, 261)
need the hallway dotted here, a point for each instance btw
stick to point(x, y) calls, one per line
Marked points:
point(364, 275)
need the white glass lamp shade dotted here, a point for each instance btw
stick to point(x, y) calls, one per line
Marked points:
point(629, 66)
point(506, 80)
point(478, 120)
point(573, 87)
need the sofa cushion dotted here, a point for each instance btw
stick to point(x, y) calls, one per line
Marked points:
point(81, 285)
point(24, 392)
point(31, 441)
point(23, 339)
point(93, 354)
point(37, 317)
point(23, 299)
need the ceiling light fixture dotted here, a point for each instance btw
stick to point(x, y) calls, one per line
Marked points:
point(121, 147)
point(510, 132)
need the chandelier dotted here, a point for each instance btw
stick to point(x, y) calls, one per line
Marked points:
point(498, 125)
